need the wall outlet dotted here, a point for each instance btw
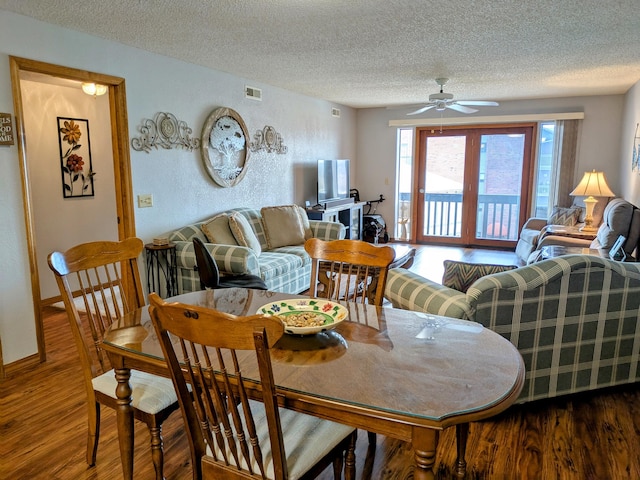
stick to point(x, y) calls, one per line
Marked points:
point(145, 201)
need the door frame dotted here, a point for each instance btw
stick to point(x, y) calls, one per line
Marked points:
point(526, 183)
point(121, 164)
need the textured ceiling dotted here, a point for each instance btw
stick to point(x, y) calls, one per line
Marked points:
point(371, 53)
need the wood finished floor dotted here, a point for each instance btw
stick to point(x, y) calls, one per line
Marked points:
point(594, 436)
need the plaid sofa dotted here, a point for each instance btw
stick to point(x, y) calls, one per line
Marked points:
point(284, 269)
point(574, 319)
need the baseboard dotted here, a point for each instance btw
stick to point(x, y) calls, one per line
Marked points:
point(18, 365)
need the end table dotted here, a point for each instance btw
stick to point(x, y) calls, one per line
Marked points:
point(161, 263)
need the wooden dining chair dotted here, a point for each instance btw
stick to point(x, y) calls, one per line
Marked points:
point(210, 275)
point(350, 270)
point(94, 273)
point(231, 434)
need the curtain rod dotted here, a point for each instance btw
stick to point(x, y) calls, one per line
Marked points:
point(537, 117)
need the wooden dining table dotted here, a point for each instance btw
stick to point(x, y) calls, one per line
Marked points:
point(402, 374)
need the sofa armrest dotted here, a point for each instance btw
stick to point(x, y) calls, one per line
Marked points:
point(410, 291)
point(564, 241)
point(535, 223)
point(231, 259)
point(327, 230)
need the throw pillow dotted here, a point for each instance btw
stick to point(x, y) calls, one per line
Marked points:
point(285, 225)
point(461, 275)
point(243, 232)
point(217, 230)
point(564, 216)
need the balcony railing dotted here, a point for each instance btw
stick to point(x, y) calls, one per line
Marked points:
point(497, 216)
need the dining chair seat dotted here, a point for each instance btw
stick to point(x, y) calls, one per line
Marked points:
point(149, 393)
point(306, 439)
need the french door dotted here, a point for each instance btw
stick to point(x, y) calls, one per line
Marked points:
point(472, 184)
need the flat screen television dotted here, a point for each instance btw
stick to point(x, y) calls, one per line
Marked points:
point(333, 180)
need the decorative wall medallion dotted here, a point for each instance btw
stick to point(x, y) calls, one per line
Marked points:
point(268, 139)
point(166, 131)
point(224, 152)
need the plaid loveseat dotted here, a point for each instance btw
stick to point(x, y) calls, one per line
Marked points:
point(284, 269)
point(574, 319)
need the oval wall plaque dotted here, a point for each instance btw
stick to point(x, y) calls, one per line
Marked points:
point(224, 146)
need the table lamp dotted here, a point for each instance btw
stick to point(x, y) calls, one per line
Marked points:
point(593, 184)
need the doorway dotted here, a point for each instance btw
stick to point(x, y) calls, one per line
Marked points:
point(121, 163)
point(472, 184)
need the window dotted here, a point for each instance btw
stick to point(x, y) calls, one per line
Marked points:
point(404, 169)
point(544, 170)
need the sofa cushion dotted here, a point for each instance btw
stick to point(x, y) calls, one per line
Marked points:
point(243, 232)
point(285, 225)
point(461, 275)
point(217, 230)
point(564, 216)
point(276, 264)
point(297, 250)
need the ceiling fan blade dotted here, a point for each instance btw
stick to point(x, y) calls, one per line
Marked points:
point(461, 108)
point(406, 107)
point(423, 109)
point(478, 103)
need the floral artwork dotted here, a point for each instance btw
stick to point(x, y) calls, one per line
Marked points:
point(75, 157)
point(224, 151)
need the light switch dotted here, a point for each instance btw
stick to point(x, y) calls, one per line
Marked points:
point(145, 201)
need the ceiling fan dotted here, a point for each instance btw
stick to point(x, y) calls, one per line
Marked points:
point(441, 101)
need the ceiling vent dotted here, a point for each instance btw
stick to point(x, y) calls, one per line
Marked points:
point(335, 112)
point(253, 92)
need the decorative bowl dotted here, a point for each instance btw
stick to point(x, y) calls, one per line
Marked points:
point(331, 313)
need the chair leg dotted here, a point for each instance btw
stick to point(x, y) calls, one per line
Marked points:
point(157, 452)
point(350, 457)
point(93, 435)
point(337, 466)
point(372, 438)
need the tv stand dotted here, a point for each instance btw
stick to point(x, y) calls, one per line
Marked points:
point(349, 214)
point(331, 204)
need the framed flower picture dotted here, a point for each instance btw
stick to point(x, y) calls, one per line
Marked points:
point(75, 157)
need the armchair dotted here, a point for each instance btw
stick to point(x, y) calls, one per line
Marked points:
point(619, 218)
point(535, 228)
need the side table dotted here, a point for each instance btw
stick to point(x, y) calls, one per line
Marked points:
point(567, 231)
point(161, 264)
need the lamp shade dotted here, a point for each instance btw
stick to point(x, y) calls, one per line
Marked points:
point(593, 184)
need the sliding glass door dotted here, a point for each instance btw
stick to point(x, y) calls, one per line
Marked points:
point(472, 184)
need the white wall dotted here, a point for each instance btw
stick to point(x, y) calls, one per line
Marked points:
point(599, 143)
point(176, 178)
